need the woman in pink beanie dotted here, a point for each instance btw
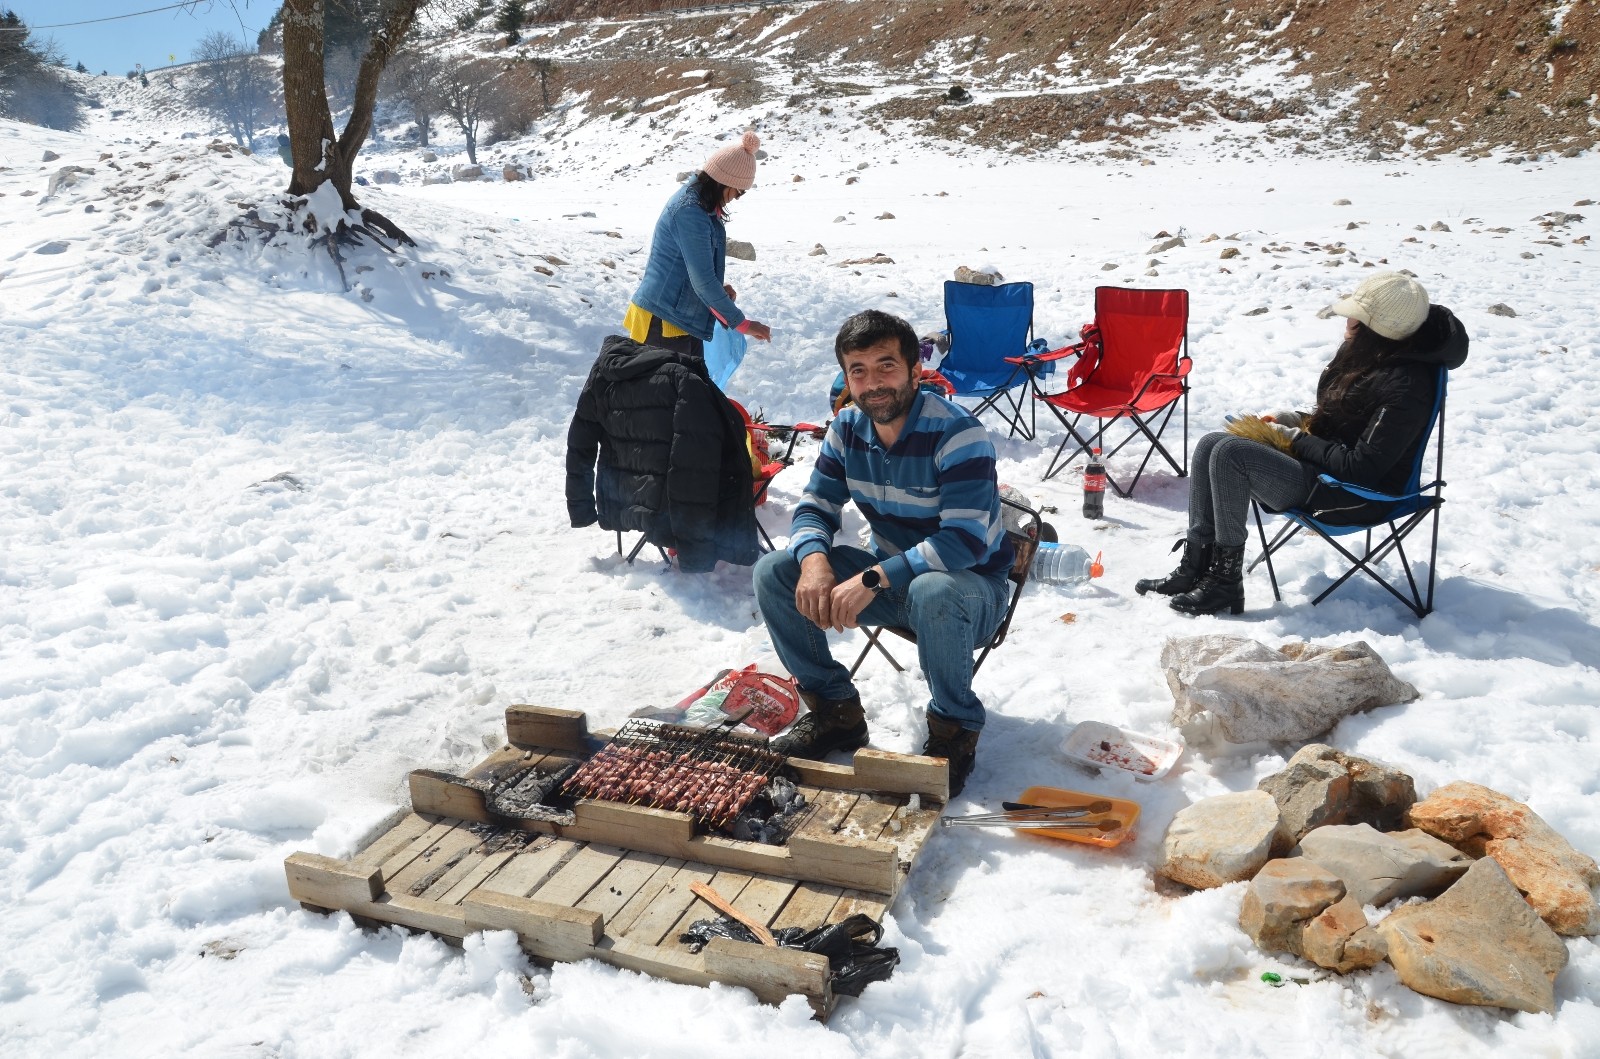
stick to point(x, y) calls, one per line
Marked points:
point(683, 293)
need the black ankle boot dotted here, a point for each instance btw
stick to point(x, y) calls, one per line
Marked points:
point(1196, 558)
point(829, 725)
point(1219, 588)
point(957, 745)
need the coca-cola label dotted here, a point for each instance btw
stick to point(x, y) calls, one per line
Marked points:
point(1094, 481)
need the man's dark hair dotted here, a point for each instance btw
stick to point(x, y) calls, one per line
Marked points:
point(871, 326)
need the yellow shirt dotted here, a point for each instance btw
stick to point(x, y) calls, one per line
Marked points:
point(637, 322)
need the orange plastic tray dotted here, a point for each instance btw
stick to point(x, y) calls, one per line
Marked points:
point(1123, 811)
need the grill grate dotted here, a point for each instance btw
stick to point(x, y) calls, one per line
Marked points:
point(711, 774)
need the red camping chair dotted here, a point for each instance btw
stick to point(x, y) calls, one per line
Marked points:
point(1133, 363)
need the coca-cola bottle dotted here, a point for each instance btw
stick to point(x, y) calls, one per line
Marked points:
point(1094, 487)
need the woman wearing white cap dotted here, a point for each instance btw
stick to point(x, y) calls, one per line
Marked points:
point(682, 293)
point(1374, 403)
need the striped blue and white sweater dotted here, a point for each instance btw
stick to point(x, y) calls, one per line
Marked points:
point(932, 499)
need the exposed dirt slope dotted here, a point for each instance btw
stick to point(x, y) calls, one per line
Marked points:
point(1445, 75)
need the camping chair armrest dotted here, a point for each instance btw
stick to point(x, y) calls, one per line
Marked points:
point(1372, 494)
point(1183, 370)
point(1047, 357)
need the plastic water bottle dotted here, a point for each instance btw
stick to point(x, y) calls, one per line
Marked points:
point(1094, 487)
point(1064, 564)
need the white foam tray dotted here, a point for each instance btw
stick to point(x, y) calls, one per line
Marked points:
point(1101, 745)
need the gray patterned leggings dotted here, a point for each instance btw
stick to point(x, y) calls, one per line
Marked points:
point(1226, 472)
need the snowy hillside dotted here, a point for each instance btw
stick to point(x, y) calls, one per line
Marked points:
point(271, 544)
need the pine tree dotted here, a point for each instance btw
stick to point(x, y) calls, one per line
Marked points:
point(509, 21)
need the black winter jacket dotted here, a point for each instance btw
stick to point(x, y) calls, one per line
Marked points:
point(1377, 445)
point(672, 457)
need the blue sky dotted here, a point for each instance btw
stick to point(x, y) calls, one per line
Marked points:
point(115, 46)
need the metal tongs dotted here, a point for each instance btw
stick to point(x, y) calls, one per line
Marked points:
point(1020, 814)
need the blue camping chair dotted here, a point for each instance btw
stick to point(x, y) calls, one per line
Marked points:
point(1408, 510)
point(986, 325)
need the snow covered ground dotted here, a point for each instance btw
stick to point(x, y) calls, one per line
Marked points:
point(270, 545)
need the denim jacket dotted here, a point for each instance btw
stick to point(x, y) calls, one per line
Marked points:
point(682, 280)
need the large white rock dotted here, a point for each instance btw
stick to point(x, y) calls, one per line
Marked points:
point(1220, 840)
point(1294, 693)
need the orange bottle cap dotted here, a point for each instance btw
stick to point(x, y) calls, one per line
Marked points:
point(1095, 568)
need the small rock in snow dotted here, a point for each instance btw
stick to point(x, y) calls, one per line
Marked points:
point(1501, 309)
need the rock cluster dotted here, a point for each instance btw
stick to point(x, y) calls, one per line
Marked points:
point(1499, 885)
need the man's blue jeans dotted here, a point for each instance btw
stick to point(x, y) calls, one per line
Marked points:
point(951, 613)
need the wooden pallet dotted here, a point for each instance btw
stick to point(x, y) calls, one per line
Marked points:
point(614, 885)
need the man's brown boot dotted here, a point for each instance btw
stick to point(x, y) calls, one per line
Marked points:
point(830, 725)
point(956, 744)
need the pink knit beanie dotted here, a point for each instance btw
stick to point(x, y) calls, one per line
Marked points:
point(735, 167)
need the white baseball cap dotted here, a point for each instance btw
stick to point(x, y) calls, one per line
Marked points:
point(1391, 303)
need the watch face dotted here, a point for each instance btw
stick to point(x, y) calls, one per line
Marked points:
point(871, 579)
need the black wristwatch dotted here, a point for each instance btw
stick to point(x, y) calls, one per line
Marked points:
point(873, 580)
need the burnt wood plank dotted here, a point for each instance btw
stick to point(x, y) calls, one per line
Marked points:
point(435, 861)
point(505, 763)
point(494, 848)
point(401, 859)
point(528, 870)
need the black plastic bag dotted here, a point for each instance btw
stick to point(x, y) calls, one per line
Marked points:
point(854, 958)
point(853, 953)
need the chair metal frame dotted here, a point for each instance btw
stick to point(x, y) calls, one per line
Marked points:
point(1013, 392)
point(1025, 543)
point(1128, 408)
point(1418, 504)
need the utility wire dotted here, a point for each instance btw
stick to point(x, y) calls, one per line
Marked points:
point(92, 21)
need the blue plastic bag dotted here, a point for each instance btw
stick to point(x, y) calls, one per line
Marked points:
point(723, 354)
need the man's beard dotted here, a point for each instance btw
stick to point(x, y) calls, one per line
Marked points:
point(893, 409)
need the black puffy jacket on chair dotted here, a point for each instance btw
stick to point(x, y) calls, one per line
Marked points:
point(672, 457)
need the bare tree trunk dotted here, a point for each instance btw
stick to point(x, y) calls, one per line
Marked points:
point(305, 100)
point(321, 156)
